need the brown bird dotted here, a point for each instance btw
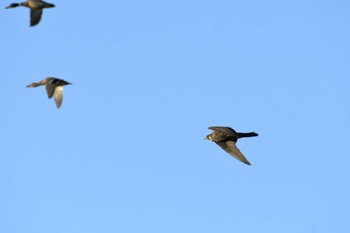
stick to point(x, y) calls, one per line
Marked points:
point(36, 9)
point(226, 138)
point(54, 87)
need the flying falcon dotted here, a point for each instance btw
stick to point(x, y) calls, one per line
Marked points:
point(226, 138)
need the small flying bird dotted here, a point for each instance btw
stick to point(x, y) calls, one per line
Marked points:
point(36, 9)
point(226, 138)
point(54, 87)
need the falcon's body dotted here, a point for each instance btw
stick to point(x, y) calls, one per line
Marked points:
point(226, 138)
point(54, 87)
point(36, 9)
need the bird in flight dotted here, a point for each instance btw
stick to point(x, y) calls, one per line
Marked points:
point(226, 138)
point(36, 9)
point(54, 87)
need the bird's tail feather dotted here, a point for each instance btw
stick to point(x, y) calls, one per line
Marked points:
point(245, 135)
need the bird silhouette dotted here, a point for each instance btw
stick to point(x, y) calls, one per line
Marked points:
point(54, 87)
point(226, 138)
point(36, 9)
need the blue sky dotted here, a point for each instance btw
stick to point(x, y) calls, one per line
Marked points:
point(126, 151)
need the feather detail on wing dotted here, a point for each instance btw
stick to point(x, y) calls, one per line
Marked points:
point(35, 16)
point(231, 148)
point(225, 130)
point(58, 96)
point(50, 89)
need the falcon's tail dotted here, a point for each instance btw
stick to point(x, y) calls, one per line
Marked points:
point(246, 135)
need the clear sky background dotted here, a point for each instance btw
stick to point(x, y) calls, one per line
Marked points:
point(126, 151)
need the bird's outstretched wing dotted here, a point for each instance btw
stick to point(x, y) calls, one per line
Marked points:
point(231, 148)
point(225, 130)
point(35, 16)
point(50, 89)
point(58, 96)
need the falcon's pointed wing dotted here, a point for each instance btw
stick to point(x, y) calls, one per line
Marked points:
point(225, 130)
point(231, 148)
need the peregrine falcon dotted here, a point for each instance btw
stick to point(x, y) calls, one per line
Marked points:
point(226, 138)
